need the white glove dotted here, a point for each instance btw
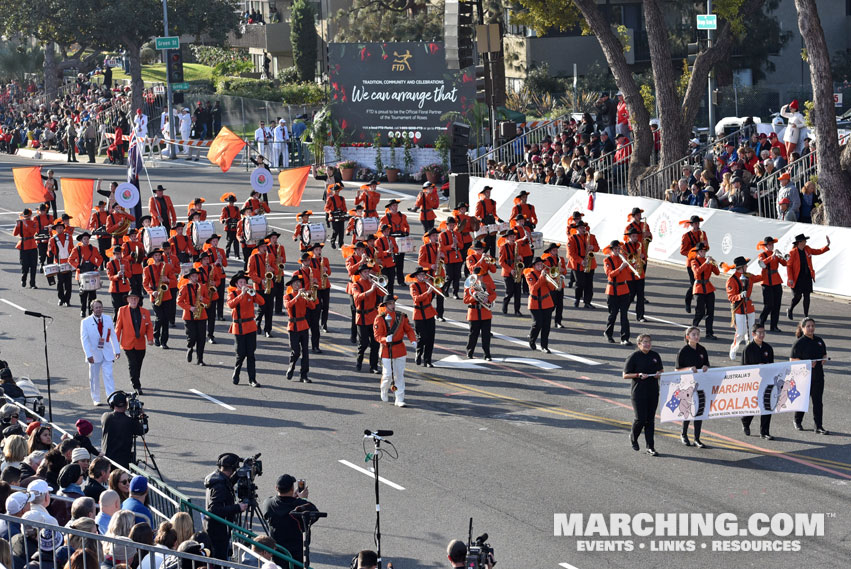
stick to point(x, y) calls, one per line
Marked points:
point(414, 344)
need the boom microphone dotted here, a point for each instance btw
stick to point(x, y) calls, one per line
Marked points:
point(36, 314)
point(369, 433)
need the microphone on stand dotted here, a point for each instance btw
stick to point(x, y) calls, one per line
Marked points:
point(37, 314)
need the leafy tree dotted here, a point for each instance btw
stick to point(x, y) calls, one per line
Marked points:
point(303, 37)
point(17, 61)
point(377, 20)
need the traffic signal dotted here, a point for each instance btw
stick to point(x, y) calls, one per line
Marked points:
point(174, 65)
point(458, 33)
point(693, 50)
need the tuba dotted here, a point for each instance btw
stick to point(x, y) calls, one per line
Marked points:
point(158, 296)
point(475, 285)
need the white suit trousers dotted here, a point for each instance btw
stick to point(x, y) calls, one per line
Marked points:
point(393, 369)
point(744, 323)
point(97, 369)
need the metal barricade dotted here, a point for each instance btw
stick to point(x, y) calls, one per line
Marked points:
point(512, 151)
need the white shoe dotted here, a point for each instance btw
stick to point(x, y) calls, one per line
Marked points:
point(384, 396)
point(400, 404)
point(733, 355)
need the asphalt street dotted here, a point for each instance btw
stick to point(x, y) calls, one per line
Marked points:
point(509, 443)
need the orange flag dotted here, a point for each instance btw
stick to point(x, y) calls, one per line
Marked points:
point(78, 195)
point(292, 183)
point(29, 185)
point(225, 148)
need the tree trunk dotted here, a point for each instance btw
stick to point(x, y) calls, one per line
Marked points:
point(134, 54)
point(833, 181)
point(51, 81)
point(613, 50)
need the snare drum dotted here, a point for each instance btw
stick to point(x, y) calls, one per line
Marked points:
point(405, 244)
point(254, 227)
point(313, 233)
point(50, 270)
point(65, 267)
point(153, 238)
point(90, 281)
point(537, 240)
point(201, 231)
point(365, 226)
point(481, 231)
point(185, 268)
point(503, 226)
point(492, 229)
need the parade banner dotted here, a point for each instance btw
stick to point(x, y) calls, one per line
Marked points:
point(292, 183)
point(225, 148)
point(78, 195)
point(398, 89)
point(735, 391)
point(29, 185)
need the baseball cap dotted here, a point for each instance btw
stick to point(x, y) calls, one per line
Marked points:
point(36, 516)
point(38, 487)
point(139, 484)
point(17, 501)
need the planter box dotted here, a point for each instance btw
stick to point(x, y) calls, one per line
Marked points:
point(365, 157)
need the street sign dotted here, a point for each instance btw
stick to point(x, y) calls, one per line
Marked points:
point(180, 86)
point(159, 89)
point(707, 22)
point(168, 42)
point(837, 99)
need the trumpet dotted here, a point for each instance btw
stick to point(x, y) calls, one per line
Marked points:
point(267, 281)
point(488, 259)
point(280, 272)
point(553, 275)
point(628, 264)
point(249, 291)
point(158, 297)
point(435, 284)
point(380, 282)
point(711, 261)
point(309, 294)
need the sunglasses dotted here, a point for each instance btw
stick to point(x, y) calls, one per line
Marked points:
point(14, 415)
point(124, 481)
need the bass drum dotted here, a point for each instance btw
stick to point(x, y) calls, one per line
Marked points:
point(201, 231)
point(90, 281)
point(313, 234)
point(255, 227)
point(365, 226)
point(153, 238)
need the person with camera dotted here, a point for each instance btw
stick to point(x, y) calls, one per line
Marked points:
point(221, 501)
point(365, 559)
point(456, 552)
point(284, 528)
point(118, 429)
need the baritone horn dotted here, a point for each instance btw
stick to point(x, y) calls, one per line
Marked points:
point(553, 275)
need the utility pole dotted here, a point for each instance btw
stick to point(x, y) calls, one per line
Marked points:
point(486, 63)
point(710, 83)
point(172, 147)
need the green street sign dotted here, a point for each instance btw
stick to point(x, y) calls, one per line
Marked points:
point(707, 22)
point(180, 86)
point(170, 42)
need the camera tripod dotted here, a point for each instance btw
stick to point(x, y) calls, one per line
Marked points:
point(252, 510)
point(143, 462)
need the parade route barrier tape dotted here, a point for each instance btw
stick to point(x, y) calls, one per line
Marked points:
point(730, 234)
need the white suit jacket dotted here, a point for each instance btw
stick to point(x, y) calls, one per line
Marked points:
point(89, 338)
point(281, 134)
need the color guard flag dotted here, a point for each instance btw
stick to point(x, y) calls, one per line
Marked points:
point(225, 148)
point(292, 183)
point(29, 185)
point(78, 195)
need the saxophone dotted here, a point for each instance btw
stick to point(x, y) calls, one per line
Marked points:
point(199, 306)
point(589, 255)
point(267, 282)
point(158, 296)
point(280, 276)
point(324, 275)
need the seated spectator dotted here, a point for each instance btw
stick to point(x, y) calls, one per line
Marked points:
point(688, 174)
point(183, 525)
point(166, 540)
point(10, 387)
point(84, 507)
point(41, 439)
point(809, 200)
point(141, 533)
point(41, 500)
point(788, 190)
point(672, 194)
point(11, 476)
point(739, 197)
point(709, 200)
point(778, 158)
point(119, 526)
point(98, 477)
point(260, 555)
point(84, 429)
point(109, 504)
point(14, 451)
point(17, 504)
point(784, 211)
point(695, 196)
point(136, 501)
point(31, 464)
point(119, 480)
point(51, 466)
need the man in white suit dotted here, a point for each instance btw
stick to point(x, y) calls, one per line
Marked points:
point(281, 157)
point(263, 137)
point(97, 334)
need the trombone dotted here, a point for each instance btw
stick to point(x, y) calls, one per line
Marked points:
point(628, 264)
point(435, 283)
point(380, 282)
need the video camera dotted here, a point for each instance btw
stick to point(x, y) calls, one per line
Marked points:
point(479, 553)
point(251, 468)
point(135, 410)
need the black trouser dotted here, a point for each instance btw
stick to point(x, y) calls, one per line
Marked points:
point(389, 274)
point(219, 539)
point(425, 339)
point(161, 323)
point(42, 254)
point(171, 307)
point(801, 290)
point(816, 393)
point(438, 303)
point(211, 320)
point(264, 313)
point(476, 327)
point(231, 243)
point(428, 225)
point(541, 320)
point(298, 349)
point(136, 285)
point(134, 365)
point(366, 339)
point(313, 321)
point(618, 305)
point(558, 300)
point(220, 302)
point(29, 260)
point(63, 287)
point(644, 402)
point(690, 291)
point(764, 423)
point(324, 298)
point(72, 150)
point(354, 329)
point(698, 426)
point(246, 252)
point(338, 231)
point(584, 290)
point(90, 149)
point(636, 293)
point(772, 298)
point(53, 207)
point(453, 278)
point(245, 345)
point(399, 260)
point(705, 307)
point(104, 243)
point(512, 290)
point(195, 336)
point(86, 298)
point(490, 245)
point(278, 294)
point(117, 301)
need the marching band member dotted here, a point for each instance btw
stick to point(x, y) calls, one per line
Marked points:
point(430, 258)
point(634, 251)
point(772, 283)
point(25, 230)
point(335, 212)
point(540, 304)
point(424, 314)
point(385, 255)
point(262, 271)
point(479, 315)
point(132, 329)
point(118, 224)
point(512, 271)
point(303, 220)
point(353, 263)
point(245, 244)
point(58, 251)
point(352, 224)
point(180, 244)
point(476, 258)
point(219, 260)
point(523, 243)
point(581, 247)
point(230, 219)
point(193, 251)
point(197, 205)
point(572, 221)
point(97, 226)
point(169, 258)
point(208, 277)
point(257, 202)
point(811, 347)
point(368, 197)
point(551, 258)
point(427, 202)
point(365, 293)
point(399, 227)
point(692, 356)
point(118, 271)
point(703, 269)
point(739, 293)
point(451, 247)
point(85, 258)
point(297, 327)
point(310, 284)
point(466, 229)
point(43, 223)
point(241, 300)
point(690, 240)
point(521, 207)
point(758, 352)
point(321, 267)
point(161, 209)
point(157, 274)
point(389, 329)
point(278, 257)
point(801, 275)
point(617, 292)
point(193, 299)
point(635, 220)
point(134, 252)
point(486, 214)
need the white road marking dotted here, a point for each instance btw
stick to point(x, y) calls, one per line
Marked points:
point(459, 362)
point(567, 566)
point(213, 399)
point(370, 474)
point(12, 304)
point(648, 317)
